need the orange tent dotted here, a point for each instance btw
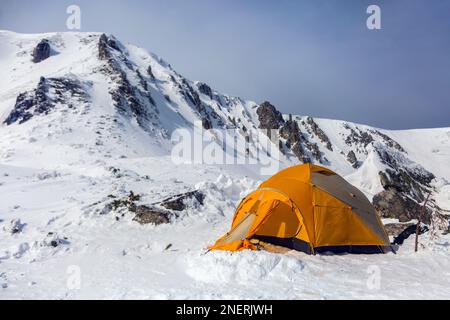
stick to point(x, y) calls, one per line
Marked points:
point(308, 208)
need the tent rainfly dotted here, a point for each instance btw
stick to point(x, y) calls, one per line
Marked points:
point(307, 208)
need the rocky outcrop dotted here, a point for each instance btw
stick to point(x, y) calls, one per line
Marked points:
point(191, 94)
point(402, 175)
point(65, 91)
point(290, 131)
point(351, 158)
point(315, 129)
point(205, 89)
point(208, 115)
point(106, 43)
point(269, 117)
point(155, 213)
point(391, 203)
point(178, 202)
point(410, 230)
point(130, 100)
point(358, 137)
point(22, 111)
point(305, 150)
point(42, 51)
point(405, 185)
point(150, 72)
point(394, 229)
point(151, 215)
point(389, 141)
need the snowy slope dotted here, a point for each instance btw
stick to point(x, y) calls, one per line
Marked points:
point(105, 131)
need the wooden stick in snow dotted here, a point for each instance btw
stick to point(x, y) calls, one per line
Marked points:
point(422, 212)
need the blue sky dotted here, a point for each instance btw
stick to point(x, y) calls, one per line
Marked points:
point(307, 57)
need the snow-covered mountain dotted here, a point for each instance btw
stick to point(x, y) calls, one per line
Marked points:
point(86, 124)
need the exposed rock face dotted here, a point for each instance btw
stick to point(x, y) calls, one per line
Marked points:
point(64, 92)
point(291, 132)
point(351, 158)
point(319, 133)
point(151, 215)
point(394, 229)
point(206, 123)
point(130, 100)
point(205, 89)
point(410, 230)
point(178, 202)
point(41, 51)
point(358, 137)
point(21, 112)
point(412, 180)
point(305, 150)
point(191, 94)
point(405, 186)
point(269, 117)
point(150, 72)
point(155, 213)
point(209, 116)
point(389, 141)
point(104, 45)
point(392, 204)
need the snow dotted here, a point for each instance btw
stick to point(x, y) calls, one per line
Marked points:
point(56, 176)
point(124, 260)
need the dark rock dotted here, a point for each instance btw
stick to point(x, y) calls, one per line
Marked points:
point(178, 202)
point(103, 52)
point(21, 111)
point(405, 187)
point(192, 95)
point(291, 132)
point(150, 72)
point(41, 51)
point(412, 180)
point(156, 213)
point(153, 215)
point(406, 233)
point(106, 43)
point(269, 117)
point(294, 138)
point(206, 123)
point(38, 101)
point(299, 152)
point(206, 113)
point(205, 89)
point(351, 157)
point(15, 226)
point(315, 151)
point(391, 203)
point(358, 137)
point(130, 100)
point(389, 141)
point(142, 81)
point(319, 133)
point(394, 229)
point(54, 240)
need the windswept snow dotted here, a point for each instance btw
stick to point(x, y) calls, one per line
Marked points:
point(122, 259)
point(58, 172)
